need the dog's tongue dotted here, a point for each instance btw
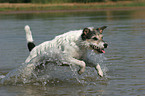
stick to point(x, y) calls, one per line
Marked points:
point(103, 51)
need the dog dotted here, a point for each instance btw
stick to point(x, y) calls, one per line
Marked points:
point(72, 45)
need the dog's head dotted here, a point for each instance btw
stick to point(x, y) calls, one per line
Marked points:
point(94, 39)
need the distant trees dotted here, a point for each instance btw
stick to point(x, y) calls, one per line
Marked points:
point(65, 1)
point(15, 1)
point(57, 1)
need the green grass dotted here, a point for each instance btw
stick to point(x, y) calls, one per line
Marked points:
point(69, 6)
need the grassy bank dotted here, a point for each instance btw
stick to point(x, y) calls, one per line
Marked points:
point(67, 6)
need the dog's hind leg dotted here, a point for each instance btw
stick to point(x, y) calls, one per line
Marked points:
point(29, 38)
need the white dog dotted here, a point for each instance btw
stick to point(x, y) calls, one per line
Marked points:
point(72, 45)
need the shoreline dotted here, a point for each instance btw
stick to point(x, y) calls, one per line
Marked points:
point(20, 8)
point(74, 10)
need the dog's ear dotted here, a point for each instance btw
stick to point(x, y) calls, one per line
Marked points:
point(85, 33)
point(101, 29)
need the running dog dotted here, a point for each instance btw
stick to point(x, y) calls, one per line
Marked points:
point(73, 45)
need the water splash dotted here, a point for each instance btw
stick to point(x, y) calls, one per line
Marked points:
point(50, 71)
point(2, 76)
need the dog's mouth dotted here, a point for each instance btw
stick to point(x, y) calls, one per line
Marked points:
point(99, 50)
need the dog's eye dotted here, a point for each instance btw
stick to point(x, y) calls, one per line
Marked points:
point(95, 38)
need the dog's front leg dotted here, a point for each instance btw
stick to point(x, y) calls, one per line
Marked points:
point(99, 70)
point(79, 63)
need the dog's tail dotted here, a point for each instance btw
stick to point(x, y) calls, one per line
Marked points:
point(29, 38)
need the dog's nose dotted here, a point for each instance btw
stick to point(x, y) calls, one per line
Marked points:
point(105, 45)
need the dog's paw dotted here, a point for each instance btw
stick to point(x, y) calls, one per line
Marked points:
point(80, 72)
point(100, 74)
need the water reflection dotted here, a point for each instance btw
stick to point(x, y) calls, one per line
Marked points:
point(125, 63)
point(109, 15)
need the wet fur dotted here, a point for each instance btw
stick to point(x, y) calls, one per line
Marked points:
point(73, 45)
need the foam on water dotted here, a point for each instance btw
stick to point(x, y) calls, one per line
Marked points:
point(2, 76)
point(50, 70)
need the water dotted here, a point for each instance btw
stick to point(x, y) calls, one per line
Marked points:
point(123, 63)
